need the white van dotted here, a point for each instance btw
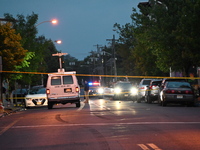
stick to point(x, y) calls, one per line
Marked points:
point(62, 87)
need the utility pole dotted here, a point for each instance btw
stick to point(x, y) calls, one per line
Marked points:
point(98, 48)
point(100, 67)
point(113, 40)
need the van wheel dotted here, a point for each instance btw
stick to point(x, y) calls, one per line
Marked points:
point(50, 105)
point(78, 104)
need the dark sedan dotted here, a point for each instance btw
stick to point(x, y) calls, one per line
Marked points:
point(177, 92)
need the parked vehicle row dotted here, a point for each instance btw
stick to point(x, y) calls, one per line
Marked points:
point(35, 96)
point(63, 88)
point(167, 91)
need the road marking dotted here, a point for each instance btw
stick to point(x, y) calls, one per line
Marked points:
point(105, 124)
point(154, 146)
point(8, 127)
point(151, 145)
point(144, 147)
point(82, 106)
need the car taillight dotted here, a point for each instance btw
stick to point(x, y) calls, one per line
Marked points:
point(188, 92)
point(48, 91)
point(178, 92)
point(142, 88)
point(170, 91)
point(151, 87)
point(77, 89)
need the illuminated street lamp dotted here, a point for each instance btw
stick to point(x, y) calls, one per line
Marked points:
point(58, 41)
point(54, 21)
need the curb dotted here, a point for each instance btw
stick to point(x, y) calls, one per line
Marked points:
point(8, 111)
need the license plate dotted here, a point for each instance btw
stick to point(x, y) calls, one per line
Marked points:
point(179, 96)
point(126, 95)
point(67, 90)
point(39, 103)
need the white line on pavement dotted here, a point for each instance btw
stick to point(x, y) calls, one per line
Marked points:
point(104, 124)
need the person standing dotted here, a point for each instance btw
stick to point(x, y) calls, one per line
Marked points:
point(86, 91)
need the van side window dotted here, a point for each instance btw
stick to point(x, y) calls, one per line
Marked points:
point(56, 80)
point(67, 80)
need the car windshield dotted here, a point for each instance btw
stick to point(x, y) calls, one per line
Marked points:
point(178, 85)
point(124, 85)
point(37, 91)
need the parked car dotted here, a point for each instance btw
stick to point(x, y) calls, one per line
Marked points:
point(125, 90)
point(36, 97)
point(170, 79)
point(152, 91)
point(142, 88)
point(177, 92)
point(18, 95)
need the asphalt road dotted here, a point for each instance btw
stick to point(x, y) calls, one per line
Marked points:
point(103, 124)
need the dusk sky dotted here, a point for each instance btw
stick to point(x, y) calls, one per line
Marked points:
point(82, 24)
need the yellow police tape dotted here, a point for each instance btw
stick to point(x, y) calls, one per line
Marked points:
point(125, 76)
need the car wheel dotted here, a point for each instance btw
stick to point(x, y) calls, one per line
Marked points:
point(149, 100)
point(114, 97)
point(50, 105)
point(78, 104)
point(164, 103)
point(134, 98)
point(139, 100)
point(25, 106)
point(146, 99)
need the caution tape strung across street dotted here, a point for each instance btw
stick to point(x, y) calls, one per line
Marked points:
point(125, 76)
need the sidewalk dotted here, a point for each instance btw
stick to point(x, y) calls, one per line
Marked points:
point(4, 111)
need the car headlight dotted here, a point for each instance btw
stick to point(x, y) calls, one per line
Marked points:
point(100, 90)
point(28, 99)
point(117, 90)
point(134, 91)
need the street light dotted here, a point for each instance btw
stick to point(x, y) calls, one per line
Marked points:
point(54, 21)
point(58, 41)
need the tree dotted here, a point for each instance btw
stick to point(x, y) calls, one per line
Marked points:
point(134, 49)
point(166, 34)
point(40, 50)
point(11, 49)
point(173, 34)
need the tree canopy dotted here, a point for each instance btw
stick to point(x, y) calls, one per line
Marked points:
point(38, 57)
point(11, 49)
point(164, 34)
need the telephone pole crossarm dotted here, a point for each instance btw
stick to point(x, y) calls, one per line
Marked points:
point(59, 55)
